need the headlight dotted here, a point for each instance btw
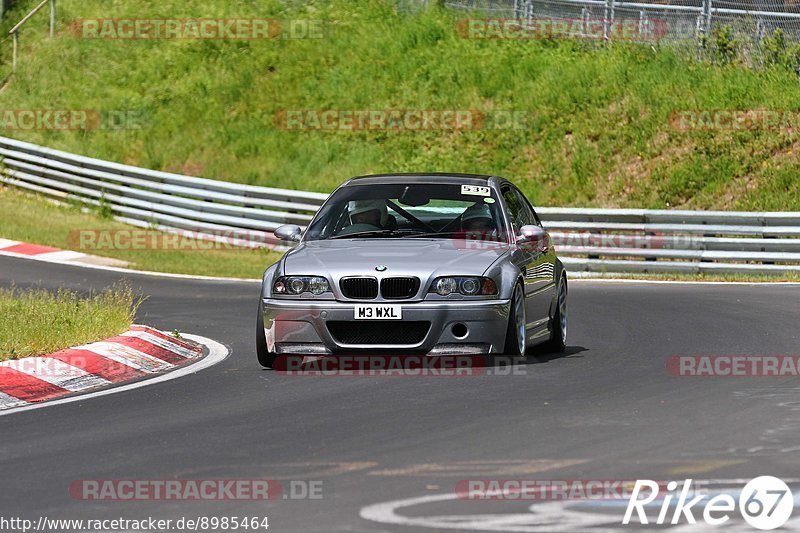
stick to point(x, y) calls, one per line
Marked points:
point(299, 284)
point(468, 286)
point(317, 285)
point(445, 286)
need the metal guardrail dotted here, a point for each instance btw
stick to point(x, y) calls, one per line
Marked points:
point(153, 199)
point(588, 240)
point(659, 241)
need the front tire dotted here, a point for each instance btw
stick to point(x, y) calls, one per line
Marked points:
point(516, 344)
point(558, 323)
point(265, 357)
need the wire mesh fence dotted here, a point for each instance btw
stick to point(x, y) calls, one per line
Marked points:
point(751, 29)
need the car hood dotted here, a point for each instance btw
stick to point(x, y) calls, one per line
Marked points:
point(423, 258)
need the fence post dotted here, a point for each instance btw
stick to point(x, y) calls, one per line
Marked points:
point(608, 19)
point(584, 21)
point(14, 60)
point(759, 32)
point(15, 30)
point(703, 29)
point(641, 22)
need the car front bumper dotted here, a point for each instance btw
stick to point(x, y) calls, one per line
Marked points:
point(301, 327)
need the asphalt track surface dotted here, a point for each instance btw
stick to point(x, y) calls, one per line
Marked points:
point(608, 409)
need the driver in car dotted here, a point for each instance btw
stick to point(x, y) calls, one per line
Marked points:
point(478, 219)
point(368, 214)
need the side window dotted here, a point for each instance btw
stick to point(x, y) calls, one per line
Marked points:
point(516, 210)
point(530, 215)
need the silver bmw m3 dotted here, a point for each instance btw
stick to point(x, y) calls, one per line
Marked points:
point(436, 264)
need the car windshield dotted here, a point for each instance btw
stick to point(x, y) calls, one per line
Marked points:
point(403, 211)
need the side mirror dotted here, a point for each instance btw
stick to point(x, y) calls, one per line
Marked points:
point(288, 232)
point(534, 237)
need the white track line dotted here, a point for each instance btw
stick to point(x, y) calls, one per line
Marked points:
point(130, 271)
point(542, 517)
point(217, 352)
point(65, 256)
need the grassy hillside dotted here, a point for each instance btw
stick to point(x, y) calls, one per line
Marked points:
point(600, 134)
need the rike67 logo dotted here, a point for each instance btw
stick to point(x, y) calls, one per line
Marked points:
point(765, 503)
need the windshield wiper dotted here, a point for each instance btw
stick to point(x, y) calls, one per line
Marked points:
point(434, 234)
point(377, 233)
point(457, 235)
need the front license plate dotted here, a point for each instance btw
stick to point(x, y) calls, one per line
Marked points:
point(378, 312)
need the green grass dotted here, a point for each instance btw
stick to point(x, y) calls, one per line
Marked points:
point(22, 216)
point(600, 133)
point(38, 322)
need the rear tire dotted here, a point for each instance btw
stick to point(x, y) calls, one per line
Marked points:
point(265, 357)
point(516, 343)
point(558, 323)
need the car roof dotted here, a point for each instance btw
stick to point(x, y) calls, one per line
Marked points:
point(427, 177)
